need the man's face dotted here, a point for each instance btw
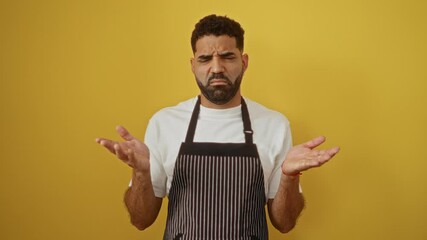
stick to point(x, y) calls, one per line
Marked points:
point(218, 66)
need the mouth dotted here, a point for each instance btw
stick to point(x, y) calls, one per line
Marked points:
point(218, 82)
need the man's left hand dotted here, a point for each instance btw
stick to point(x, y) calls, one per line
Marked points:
point(303, 157)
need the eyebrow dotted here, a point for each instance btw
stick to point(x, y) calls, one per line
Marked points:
point(222, 55)
point(226, 54)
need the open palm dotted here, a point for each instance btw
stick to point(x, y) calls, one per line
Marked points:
point(303, 157)
point(132, 151)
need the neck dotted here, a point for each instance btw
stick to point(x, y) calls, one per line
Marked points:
point(234, 102)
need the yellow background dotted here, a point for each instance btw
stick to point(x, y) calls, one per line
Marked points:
point(70, 71)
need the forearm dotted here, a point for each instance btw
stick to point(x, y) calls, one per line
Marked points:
point(143, 206)
point(287, 205)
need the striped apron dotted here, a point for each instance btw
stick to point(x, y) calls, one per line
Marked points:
point(217, 191)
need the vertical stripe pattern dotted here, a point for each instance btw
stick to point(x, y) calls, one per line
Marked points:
point(216, 197)
point(217, 190)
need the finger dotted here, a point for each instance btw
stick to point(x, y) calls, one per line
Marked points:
point(120, 153)
point(326, 155)
point(108, 144)
point(131, 157)
point(124, 133)
point(317, 162)
point(333, 151)
point(314, 142)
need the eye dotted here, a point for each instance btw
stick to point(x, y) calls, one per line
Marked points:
point(204, 58)
point(228, 56)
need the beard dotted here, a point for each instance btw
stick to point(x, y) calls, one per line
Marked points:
point(220, 94)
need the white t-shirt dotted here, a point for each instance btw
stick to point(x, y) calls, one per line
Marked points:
point(167, 129)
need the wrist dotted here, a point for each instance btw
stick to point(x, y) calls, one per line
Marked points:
point(140, 173)
point(291, 175)
point(284, 172)
point(290, 178)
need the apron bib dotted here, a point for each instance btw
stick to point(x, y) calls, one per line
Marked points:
point(217, 191)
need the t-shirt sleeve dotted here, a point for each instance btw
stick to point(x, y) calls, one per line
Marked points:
point(158, 174)
point(285, 144)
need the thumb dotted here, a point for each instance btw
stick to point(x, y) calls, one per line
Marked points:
point(124, 133)
point(314, 142)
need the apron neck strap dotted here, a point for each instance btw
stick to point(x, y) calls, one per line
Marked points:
point(247, 129)
point(193, 122)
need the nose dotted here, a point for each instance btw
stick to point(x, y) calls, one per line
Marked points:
point(217, 66)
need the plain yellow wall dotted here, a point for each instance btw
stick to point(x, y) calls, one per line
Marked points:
point(71, 71)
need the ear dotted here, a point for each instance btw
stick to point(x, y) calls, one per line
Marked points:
point(245, 61)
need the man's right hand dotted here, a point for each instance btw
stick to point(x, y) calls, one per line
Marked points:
point(142, 204)
point(132, 151)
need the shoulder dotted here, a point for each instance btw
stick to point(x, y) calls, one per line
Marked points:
point(180, 111)
point(171, 122)
point(259, 112)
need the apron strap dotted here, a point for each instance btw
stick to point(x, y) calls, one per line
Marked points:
point(193, 122)
point(247, 129)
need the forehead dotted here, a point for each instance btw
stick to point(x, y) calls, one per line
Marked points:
point(210, 44)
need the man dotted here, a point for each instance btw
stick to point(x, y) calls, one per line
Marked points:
point(218, 157)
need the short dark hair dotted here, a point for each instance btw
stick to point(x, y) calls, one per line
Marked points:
point(217, 26)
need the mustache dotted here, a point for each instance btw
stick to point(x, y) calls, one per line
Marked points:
point(218, 76)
